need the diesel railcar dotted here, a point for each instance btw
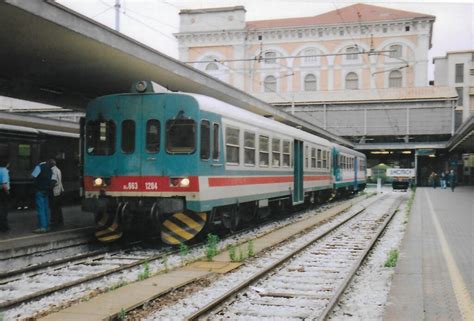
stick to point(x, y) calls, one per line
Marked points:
point(175, 164)
point(25, 147)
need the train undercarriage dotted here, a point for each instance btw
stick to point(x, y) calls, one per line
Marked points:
point(169, 219)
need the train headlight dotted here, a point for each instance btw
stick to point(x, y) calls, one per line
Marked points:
point(184, 182)
point(179, 182)
point(98, 181)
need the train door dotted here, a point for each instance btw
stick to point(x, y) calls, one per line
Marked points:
point(298, 180)
point(356, 173)
point(336, 168)
point(129, 141)
point(151, 135)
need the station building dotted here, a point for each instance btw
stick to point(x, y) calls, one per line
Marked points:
point(456, 69)
point(359, 72)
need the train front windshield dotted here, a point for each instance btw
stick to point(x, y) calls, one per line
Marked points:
point(100, 137)
point(180, 136)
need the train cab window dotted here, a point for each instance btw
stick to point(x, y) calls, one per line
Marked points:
point(276, 152)
point(249, 148)
point(286, 153)
point(180, 136)
point(128, 136)
point(216, 153)
point(100, 137)
point(152, 141)
point(205, 139)
point(313, 157)
point(263, 155)
point(232, 141)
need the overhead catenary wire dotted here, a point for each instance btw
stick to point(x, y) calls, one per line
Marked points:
point(258, 58)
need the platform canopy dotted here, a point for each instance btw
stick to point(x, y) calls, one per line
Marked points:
point(53, 55)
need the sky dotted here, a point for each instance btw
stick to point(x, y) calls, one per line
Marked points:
point(153, 22)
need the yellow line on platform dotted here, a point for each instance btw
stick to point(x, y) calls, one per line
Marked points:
point(463, 297)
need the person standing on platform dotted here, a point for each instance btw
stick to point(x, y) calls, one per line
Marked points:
point(452, 179)
point(43, 183)
point(4, 194)
point(55, 196)
point(442, 180)
point(432, 179)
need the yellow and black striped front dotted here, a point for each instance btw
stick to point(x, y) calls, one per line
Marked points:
point(182, 227)
point(108, 229)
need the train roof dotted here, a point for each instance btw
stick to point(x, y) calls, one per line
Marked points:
point(219, 107)
point(24, 129)
point(348, 150)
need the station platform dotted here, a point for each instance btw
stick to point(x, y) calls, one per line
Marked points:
point(20, 240)
point(434, 277)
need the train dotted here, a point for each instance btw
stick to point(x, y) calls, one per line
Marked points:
point(25, 147)
point(174, 165)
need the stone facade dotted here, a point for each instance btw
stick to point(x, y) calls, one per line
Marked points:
point(456, 69)
point(359, 72)
point(347, 48)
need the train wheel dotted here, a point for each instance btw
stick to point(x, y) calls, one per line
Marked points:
point(182, 227)
point(230, 218)
point(248, 212)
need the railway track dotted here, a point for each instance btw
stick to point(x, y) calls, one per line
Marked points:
point(307, 281)
point(34, 282)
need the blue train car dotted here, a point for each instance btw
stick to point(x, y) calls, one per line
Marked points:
point(179, 163)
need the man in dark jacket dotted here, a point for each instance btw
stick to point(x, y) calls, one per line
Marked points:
point(43, 184)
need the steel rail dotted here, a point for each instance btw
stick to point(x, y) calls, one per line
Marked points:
point(347, 280)
point(15, 302)
point(225, 297)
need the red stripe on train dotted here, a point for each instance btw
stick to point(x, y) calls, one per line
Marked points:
point(141, 184)
point(255, 180)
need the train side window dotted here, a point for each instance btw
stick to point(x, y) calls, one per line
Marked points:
point(319, 158)
point(4, 151)
point(180, 136)
point(205, 139)
point(306, 157)
point(276, 152)
point(313, 157)
point(249, 148)
point(326, 160)
point(216, 153)
point(263, 155)
point(152, 139)
point(232, 141)
point(24, 157)
point(128, 136)
point(100, 137)
point(286, 153)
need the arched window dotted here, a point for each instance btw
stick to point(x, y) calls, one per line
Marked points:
point(310, 82)
point(310, 56)
point(352, 53)
point(352, 81)
point(269, 57)
point(211, 67)
point(395, 79)
point(269, 84)
point(395, 51)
